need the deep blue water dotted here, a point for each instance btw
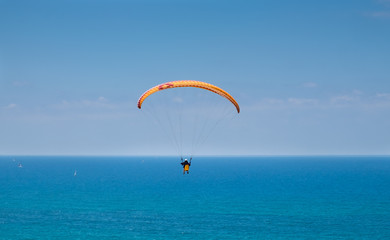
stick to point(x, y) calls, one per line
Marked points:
point(221, 198)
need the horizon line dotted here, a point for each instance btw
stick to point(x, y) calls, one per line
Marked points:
point(213, 155)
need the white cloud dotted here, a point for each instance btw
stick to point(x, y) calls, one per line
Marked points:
point(384, 2)
point(102, 99)
point(343, 99)
point(11, 106)
point(96, 109)
point(383, 13)
point(353, 97)
point(279, 103)
point(379, 14)
point(310, 85)
point(100, 102)
point(381, 100)
point(178, 99)
point(383, 95)
point(357, 92)
point(273, 101)
point(265, 103)
point(19, 83)
point(302, 101)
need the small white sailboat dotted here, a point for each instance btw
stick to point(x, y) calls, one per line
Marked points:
point(20, 165)
point(75, 173)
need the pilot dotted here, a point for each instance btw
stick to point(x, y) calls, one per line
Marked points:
point(186, 165)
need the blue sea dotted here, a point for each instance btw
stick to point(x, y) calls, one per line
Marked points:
point(221, 198)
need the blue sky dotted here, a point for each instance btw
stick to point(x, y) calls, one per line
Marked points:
point(312, 77)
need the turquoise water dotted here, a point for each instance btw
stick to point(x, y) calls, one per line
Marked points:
point(221, 198)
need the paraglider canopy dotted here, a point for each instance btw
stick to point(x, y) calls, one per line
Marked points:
point(188, 83)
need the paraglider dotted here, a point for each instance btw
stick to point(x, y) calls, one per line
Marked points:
point(189, 125)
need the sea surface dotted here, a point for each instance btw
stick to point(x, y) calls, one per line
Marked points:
point(221, 198)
